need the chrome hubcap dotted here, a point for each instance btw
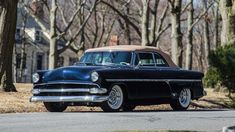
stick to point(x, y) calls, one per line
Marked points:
point(115, 97)
point(185, 97)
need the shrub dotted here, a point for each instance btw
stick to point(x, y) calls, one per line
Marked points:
point(223, 60)
point(212, 78)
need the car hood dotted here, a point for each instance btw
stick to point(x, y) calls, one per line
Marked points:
point(71, 73)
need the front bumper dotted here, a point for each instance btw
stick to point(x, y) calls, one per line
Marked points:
point(88, 98)
point(68, 92)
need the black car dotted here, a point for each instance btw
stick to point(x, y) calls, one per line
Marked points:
point(118, 78)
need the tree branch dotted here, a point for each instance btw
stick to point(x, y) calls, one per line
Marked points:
point(68, 44)
point(136, 28)
point(200, 16)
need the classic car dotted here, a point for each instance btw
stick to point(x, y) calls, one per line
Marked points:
point(118, 78)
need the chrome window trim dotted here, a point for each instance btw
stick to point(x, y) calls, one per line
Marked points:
point(153, 80)
point(132, 59)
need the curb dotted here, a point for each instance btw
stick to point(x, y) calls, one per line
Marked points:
point(229, 129)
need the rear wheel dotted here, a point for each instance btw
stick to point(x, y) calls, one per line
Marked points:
point(183, 102)
point(55, 106)
point(115, 101)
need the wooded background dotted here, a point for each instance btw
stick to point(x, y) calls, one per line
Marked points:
point(186, 29)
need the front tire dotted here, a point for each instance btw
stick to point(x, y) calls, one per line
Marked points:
point(183, 102)
point(115, 101)
point(55, 107)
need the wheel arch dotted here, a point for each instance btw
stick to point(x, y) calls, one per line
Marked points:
point(176, 88)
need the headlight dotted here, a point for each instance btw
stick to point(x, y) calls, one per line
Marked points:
point(35, 77)
point(94, 76)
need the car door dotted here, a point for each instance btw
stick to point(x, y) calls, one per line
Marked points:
point(147, 83)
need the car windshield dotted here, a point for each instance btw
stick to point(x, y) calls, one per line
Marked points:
point(106, 58)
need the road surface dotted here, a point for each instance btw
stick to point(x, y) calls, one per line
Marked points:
point(203, 120)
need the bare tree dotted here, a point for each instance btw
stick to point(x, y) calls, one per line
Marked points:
point(8, 16)
point(227, 10)
point(23, 44)
point(144, 23)
point(216, 25)
point(53, 56)
point(189, 46)
point(56, 33)
point(206, 33)
point(176, 34)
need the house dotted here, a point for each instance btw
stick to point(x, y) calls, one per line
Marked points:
point(32, 46)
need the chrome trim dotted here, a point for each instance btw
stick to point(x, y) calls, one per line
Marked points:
point(92, 98)
point(88, 90)
point(51, 83)
point(153, 80)
point(60, 90)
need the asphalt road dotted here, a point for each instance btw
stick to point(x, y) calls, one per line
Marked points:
point(203, 120)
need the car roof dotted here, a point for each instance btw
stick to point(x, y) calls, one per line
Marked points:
point(136, 48)
point(123, 48)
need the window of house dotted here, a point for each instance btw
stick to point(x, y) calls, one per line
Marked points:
point(17, 34)
point(146, 59)
point(60, 61)
point(37, 36)
point(18, 60)
point(160, 61)
point(39, 61)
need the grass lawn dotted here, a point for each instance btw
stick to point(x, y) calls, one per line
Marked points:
point(19, 102)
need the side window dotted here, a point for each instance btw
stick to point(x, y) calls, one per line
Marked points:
point(146, 59)
point(160, 61)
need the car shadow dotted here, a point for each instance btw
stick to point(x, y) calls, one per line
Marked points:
point(144, 111)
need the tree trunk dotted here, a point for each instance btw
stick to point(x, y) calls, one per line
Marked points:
point(176, 35)
point(189, 46)
point(127, 25)
point(216, 26)
point(206, 36)
point(22, 56)
point(8, 16)
point(227, 10)
point(144, 23)
point(153, 26)
point(81, 19)
point(53, 55)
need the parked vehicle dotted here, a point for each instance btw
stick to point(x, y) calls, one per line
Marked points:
point(118, 78)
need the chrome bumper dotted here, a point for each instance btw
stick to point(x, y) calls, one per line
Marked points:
point(88, 98)
point(82, 90)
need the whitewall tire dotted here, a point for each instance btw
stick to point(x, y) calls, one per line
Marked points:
point(115, 101)
point(183, 100)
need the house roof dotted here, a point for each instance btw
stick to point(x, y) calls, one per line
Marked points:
point(30, 21)
point(134, 48)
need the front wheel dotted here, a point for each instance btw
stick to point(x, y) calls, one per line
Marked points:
point(183, 102)
point(115, 101)
point(55, 107)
